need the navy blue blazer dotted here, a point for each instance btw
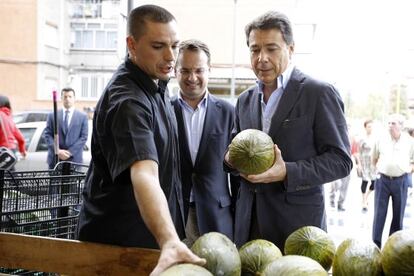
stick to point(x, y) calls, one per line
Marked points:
point(74, 140)
point(207, 178)
point(310, 129)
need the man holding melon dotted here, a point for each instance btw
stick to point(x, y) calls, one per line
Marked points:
point(304, 119)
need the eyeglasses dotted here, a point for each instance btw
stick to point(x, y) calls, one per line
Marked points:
point(186, 72)
point(392, 123)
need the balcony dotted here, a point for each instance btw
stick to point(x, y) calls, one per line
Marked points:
point(92, 9)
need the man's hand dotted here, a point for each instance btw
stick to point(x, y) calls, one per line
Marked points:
point(174, 252)
point(276, 173)
point(64, 154)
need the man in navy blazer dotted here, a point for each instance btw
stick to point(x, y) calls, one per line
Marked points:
point(72, 131)
point(305, 119)
point(204, 128)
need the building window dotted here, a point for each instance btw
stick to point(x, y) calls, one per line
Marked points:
point(90, 86)
point(93, 37)
point(85, 87)
point(94, 87)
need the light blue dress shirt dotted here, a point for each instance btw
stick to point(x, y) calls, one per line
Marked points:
point(270, 108)
point(194, 123)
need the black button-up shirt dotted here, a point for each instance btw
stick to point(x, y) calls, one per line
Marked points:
point(133, 121)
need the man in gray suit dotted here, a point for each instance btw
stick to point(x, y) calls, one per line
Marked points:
point(204, 129)
point(305, 119)
point(72, 131)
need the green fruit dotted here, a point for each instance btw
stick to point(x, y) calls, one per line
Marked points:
point(357, 257)
point(186, 270)
point(251, 152)
point(312, 242)
point(256, 255)
point(294, 265)
point(220, 253)
point(398, 254)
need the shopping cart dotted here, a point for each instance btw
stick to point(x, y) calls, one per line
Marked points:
point(42, 203)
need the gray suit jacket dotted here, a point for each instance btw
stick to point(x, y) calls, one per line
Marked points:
point(310, 129)
point(207, 177)
point(73, 140)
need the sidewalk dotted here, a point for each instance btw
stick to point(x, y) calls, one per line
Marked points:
point(353, 223)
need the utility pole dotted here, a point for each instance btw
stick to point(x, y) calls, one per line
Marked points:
point(398, 99)
point(130, 6)
point(233, 67)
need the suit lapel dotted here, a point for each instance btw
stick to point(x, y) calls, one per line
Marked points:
point(213, 108)
point(256, 110)
point(287, 101)
point(181, 131)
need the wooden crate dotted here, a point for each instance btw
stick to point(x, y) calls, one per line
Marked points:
point(70, 257)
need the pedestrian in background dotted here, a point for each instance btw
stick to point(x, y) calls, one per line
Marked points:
point(365, 169)
point(341, 186)
point(10, 135)
point(72, 131)
point(393, 157)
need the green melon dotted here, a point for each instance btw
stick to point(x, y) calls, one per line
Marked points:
point(312, 242)
point(220, 253)
point(255, 255)
point(357, 258)
point(294, 265)
point(398, 254)
point(251, 152)
point(186, 270)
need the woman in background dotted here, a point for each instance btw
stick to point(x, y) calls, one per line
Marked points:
point(10, 135)
point(365, 169)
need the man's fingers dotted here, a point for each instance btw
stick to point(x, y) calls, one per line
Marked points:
point(199, 261)
point(278, 153)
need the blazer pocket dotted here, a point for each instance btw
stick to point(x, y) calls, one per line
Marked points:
point(225, 201)
point(295, 122)
point(305, 198)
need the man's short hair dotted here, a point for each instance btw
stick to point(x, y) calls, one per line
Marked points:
point(368, 121)
point(67, 89)
point(195, 46)
point(138, 17)
point(396, 117)
point(271, 20)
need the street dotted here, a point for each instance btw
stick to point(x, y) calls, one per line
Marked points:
point(353, 223)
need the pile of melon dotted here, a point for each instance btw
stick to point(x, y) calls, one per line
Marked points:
point(308, 251)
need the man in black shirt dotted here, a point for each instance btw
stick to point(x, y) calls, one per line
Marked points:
point(132, 194)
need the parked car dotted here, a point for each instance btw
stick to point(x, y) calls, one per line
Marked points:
point(30, 116)
point(36, 147)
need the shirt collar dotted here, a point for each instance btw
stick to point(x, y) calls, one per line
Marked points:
point(282, 80)
point(201, 104)
point(70, 110)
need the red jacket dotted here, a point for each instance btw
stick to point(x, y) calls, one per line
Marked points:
point(13, 133)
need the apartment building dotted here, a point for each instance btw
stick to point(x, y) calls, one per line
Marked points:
point(49, 44)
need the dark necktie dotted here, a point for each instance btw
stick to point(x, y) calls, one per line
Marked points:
point(66, 123)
